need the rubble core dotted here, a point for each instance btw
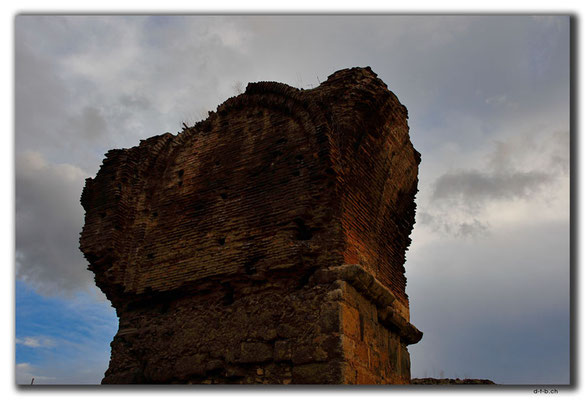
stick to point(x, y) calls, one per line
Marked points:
point(265, 244)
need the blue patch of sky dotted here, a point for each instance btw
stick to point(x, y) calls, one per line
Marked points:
point(78, 327)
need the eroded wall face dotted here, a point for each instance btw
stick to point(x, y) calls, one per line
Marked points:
point(274, 336)
point(377, 176)
point(246, 194)
point(230, 249)
point(333, 330)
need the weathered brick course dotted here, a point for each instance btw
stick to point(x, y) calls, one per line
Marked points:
point(265, 244)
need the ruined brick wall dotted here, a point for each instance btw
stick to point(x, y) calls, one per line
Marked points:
point(208, 243)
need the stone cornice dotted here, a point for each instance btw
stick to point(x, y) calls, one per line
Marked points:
point(366, 284)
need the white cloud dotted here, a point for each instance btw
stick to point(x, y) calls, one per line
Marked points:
point(35, 342)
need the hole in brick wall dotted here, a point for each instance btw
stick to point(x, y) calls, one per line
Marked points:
point(117, 227)
point(228, 297)
point(281, 141)
point(217, 163)
point(303, 231)
point(257, 171)
point(164, 308)
point(221, 241)
point(150, 256)
point(305, 278)
point(181, 172)
point(223, 195)
point(154, 214)
point(321, 138)
point(299, 157)
point(180, 183)
point(330, 171)
point(316, 176)
point(250, 265)
point(250, 268)
point(296, 172)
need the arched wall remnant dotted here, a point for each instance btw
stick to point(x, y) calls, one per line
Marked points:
point(265, 243)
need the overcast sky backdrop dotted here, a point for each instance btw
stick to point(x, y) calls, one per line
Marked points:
point(488, 101)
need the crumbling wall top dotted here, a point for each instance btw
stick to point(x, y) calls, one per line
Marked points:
point(275, 184)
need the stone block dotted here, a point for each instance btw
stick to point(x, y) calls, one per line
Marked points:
point(350, 321)
point(307, 352)
point(193, 365)
point(282, 350)
point(287, 331)
point(365, 376)
point(316, 373)
point(329, 317)
point(254, 352)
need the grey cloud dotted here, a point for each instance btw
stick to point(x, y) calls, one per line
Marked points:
point(558, 144)
point(444, 223)
point(473, 228)
point(88, 84)
point(547, 151)
point(134, 102)
point(49, 117)
point(49, 218)
point(520, 168)
point(89, 123)
point(182, 65)
point(502, 155)
point(423, 217)
point(476, 187)
point(40, 94)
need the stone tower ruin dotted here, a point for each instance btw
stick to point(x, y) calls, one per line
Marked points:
point(265, 244)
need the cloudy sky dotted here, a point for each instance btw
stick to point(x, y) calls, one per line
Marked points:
point(488, 100)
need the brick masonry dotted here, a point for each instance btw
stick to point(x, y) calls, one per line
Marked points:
point(265, 244)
